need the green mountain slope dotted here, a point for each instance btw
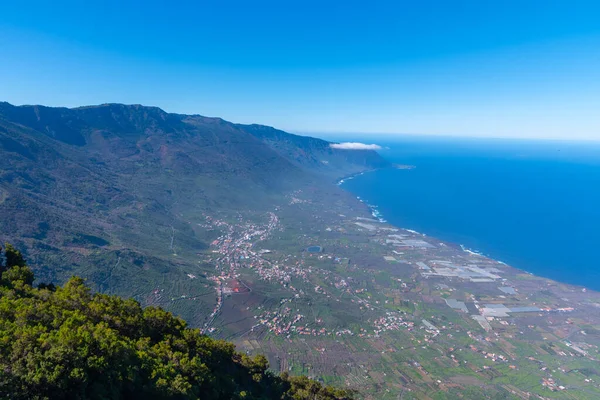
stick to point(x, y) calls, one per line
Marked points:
point(316, 154)
point(117, 193)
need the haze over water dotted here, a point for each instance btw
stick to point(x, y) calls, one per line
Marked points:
point(532, 204)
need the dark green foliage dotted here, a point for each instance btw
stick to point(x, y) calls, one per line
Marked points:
point(68, 343)
point(13, 268)
point(13, 256)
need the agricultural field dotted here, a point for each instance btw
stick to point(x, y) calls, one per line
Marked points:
point(367, 310)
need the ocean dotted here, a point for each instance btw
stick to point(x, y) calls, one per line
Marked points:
point(534, 205)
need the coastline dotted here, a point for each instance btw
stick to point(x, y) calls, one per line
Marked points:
point(375, 213)
point(346, 178)
point(412, 302)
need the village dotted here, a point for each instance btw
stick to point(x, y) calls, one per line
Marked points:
point(435, 296)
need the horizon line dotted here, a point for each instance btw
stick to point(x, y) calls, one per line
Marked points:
point(315, 133)
point(380, 135)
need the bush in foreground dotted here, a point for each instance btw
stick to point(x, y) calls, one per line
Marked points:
point(68, 343)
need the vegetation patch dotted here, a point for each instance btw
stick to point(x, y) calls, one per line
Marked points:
point(68, 343)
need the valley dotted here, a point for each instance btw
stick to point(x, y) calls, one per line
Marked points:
point(242, 231)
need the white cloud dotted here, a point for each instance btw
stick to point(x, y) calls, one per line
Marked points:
point(355, 146)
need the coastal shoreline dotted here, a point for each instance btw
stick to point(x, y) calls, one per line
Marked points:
point(346, 178)
point(375, 213)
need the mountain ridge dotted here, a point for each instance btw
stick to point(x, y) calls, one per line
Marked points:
point(111, 190)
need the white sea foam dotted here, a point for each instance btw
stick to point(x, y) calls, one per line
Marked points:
point(473, 252)
point(375, 212)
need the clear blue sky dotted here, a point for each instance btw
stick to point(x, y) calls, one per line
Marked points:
point(490, 68)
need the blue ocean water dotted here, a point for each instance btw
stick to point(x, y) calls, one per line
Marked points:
point(532, 204)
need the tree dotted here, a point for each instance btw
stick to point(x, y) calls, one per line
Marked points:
point(13, 256)
point(14, 268)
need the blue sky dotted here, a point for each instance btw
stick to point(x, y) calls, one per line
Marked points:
point(476, 68)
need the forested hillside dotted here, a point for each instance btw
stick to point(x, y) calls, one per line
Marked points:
point(68, 343)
